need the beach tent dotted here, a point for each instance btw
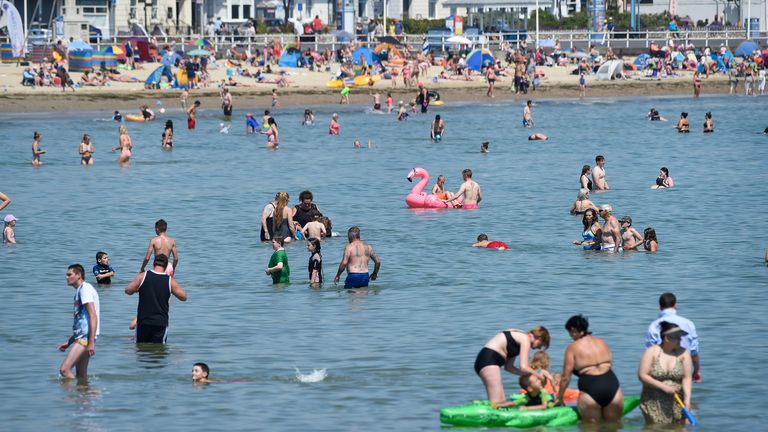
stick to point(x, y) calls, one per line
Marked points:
point(155, 77)
point(79, 45)
point(80, 60)
point(104, 58)
point(609, 70)
point(642, 60)
point(746, 48)
point(366, 53)
point(478, 58)
point(289, 58)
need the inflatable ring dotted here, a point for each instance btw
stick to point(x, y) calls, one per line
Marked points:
point(480, 413)
point(134, 118)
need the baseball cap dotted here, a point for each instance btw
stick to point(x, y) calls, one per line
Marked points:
point(606, 207)
point(9, 218)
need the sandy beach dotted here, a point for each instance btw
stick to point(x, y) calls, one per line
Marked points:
point(309, 88)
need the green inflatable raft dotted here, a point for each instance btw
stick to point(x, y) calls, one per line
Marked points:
point(480, 413)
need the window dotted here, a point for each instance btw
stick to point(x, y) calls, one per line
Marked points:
point(170, 13)
point(246, 11)
point(235, 12)
point(432, 7)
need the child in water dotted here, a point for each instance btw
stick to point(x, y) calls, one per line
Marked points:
point(200, 373)
point(390, 102)
point(536, 398)
point(102, 271)
point(541, 363)
point(250, 124)
point(9, 236)
point(484, 147)
point(402, 113)
point(315, 265)
point(309, 118)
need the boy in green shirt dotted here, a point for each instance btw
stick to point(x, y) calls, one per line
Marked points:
point(278, 263)
point(536, 398)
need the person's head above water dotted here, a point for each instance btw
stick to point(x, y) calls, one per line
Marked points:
point(467, 173)
point(353, 233)
point(583, 194)
point(437, 117)
point(578, 325)
point(200, 372)
point(585, 169)
point(683, 114)
point(482, 237)
point(161, 226)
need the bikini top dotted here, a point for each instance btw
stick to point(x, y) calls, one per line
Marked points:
point(513, 348)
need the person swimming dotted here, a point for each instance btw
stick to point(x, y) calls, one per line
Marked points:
point(117, 116)
point(537, 137)
point(653, 115)
point(484, 147)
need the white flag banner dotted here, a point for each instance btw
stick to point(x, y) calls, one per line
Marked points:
point(12, 20)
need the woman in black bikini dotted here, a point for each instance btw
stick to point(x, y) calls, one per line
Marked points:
point(590, 359)
point(584, 180)
point(501, 351)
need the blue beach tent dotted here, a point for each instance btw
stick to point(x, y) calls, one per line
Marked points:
point(156, 76)
point(290, 59)
point(746, 48)
point(479, 58)
point(642, 60)
point(367, 54)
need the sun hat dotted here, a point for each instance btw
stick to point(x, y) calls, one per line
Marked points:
point(675, 331)
point(606, 207)
point(9, 218)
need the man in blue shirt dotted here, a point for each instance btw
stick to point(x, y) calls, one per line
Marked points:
point(668, 306)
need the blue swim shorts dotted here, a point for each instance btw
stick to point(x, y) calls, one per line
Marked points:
point(356, 280)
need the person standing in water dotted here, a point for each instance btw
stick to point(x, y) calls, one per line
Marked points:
point(125, 146)
point(610, 236)
point(168, 135)
point(85, 327)
point(438, 129)
point(470, 190)
point(86, 150)
point(192, 115)
point(36, 151)
point(598, 174)
point(162, 245)
point(226, 103)
point(528, 114)
point(355, 260)
point(278, 267)
point(376, 101)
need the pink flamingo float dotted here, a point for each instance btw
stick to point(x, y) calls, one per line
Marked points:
point(420, 199)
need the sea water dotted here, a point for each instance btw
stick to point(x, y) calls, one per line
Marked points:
point(396, 353)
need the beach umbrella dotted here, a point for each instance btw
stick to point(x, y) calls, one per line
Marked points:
point(459, 40)
point(745, 48)
point(117, 50)
point(79, 46)
point(203, 42)
point(343, 36)
point(389, 40)
point(198, 52)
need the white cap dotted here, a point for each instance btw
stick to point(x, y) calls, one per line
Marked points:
point(606, 207)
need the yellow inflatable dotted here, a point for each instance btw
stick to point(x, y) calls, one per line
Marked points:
point(358, 81)
point(181, 77)
point(134, 118)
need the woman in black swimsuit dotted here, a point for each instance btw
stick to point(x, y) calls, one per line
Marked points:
point(590, 359)
point(500, 352)
point(584, 181)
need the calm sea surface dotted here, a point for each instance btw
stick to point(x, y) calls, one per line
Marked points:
point(397, 353)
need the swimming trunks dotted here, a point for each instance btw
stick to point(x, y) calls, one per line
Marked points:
point(83, 342)
point(151, 334)
point(190, 123)
point(602, 388)
point(469, 206)
point(274, 102)
point(610, 247)
point(488, 357)
point(86, 159)
point(228, 110)
point(377, 106)
point(356, 280)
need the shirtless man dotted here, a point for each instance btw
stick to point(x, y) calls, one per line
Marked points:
point(611, 232)
point(191, 114)
point(226, 102)
point(438, 129)
point(598, 174)
point(162, 245)
point(470, 190)
point(630, 237)
point(314, 229)
point(355, 260)
point(528, 115)
point(376, 101)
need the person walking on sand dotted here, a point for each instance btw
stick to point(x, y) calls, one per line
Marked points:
point(696, 84)
point(162, 245)
point(85, 326)
point(355, 260)
point(490, 76)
